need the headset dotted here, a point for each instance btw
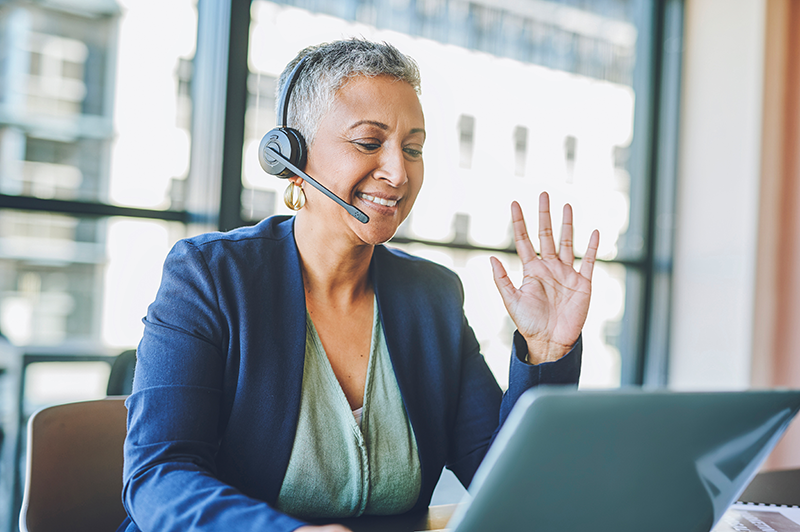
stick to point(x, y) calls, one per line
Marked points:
point(282, 151)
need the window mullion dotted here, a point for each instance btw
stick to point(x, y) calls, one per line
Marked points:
point(209, 92)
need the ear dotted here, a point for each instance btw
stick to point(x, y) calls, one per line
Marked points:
point(296, 180)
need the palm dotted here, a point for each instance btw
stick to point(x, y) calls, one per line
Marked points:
point(549, 308)
point(551, 302)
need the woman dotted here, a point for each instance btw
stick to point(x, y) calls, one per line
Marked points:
point(299, 368)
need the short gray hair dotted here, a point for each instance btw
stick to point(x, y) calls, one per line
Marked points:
point(328, 67)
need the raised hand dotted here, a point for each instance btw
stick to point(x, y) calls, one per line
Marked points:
point(550, 306)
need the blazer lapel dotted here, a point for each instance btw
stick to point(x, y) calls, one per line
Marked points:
point(290, 319)
point(275, 315)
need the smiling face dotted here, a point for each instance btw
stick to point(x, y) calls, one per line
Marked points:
point(368, 151)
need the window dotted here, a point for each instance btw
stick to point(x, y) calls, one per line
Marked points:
point(55, 83)
point(76, 139)
point(116, 140)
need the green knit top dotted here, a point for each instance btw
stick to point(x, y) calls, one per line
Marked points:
point(338, 468)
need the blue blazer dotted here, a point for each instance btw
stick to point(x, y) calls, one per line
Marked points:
point(216, 395)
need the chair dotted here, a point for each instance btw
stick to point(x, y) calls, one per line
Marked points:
point(74, 467)
point(120, 381)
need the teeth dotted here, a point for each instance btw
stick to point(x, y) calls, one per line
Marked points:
point(379, 201)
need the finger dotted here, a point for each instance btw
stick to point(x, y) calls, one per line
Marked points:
point(565, 252)
point(588, 260)
point(501, 280)
point(546, 242)
point(522, 240)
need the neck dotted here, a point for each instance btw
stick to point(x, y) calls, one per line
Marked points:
point(335, 269)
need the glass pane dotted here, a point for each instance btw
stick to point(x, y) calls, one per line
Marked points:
point(152, 104)
point(578, 126)
point(262, 193)
point(69, 280)
point(94, 100)
point(518, 99)
point(48, 271)
point(135, 253)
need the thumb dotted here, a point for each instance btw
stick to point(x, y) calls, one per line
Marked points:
point(501, 280)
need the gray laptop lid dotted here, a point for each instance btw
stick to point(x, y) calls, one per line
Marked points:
point(623, 460)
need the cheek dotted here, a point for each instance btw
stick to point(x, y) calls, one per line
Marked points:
point(416, 178)
point(415, 185)
point(337, 172)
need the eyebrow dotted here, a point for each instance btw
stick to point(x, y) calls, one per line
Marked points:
point(384, 127)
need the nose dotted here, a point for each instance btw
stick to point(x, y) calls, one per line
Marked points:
point(392, 167)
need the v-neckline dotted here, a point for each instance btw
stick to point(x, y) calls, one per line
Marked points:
point(331, 375)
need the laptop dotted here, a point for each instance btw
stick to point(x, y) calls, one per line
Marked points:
point(622, 460)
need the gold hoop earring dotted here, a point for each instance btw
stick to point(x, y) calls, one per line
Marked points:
point(294, 197)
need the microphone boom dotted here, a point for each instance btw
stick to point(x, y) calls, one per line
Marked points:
point(353, 211)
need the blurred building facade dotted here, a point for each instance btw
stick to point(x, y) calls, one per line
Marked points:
point(57, 76)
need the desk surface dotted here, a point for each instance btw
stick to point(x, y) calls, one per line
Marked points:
point(434, 519)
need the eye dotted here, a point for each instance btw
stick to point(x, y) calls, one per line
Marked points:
point(367, 145)
point(413, 152)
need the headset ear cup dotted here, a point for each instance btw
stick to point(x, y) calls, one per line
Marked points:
point(298, 143)
point(286, 141)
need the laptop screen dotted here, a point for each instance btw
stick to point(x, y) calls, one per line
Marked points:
point(623, 460)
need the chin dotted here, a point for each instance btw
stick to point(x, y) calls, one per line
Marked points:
point(378, 237)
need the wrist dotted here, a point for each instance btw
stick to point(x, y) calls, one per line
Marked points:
point(541, 351)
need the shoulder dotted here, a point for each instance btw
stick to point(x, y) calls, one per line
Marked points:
point(246, 243)
point(239, 256)
point(234, 269)
point(273, 229)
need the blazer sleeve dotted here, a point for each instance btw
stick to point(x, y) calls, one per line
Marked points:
point(523, 376)
point(483, 408)
point(174, 413)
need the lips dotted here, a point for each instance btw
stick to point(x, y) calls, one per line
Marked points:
point(386, 202)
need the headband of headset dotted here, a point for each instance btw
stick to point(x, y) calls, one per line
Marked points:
point(283, 104)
